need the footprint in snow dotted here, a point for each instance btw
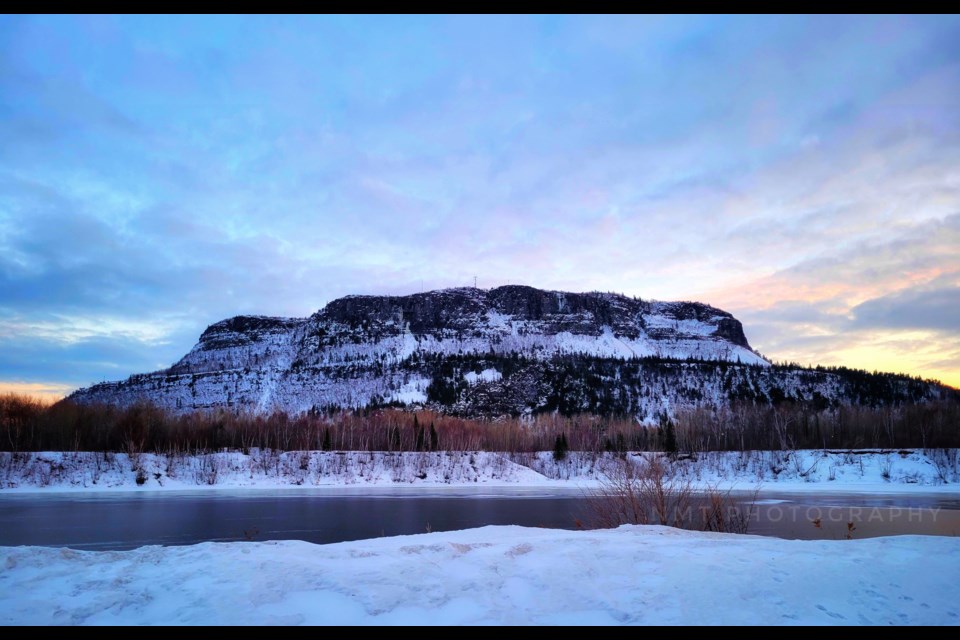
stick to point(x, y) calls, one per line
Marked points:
point(832, 614)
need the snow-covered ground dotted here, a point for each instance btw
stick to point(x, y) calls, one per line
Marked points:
point(812, 470)
point(499, 575)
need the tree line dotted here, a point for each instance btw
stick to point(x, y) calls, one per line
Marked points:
point(29, 425)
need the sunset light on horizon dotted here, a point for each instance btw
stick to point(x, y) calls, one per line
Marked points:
point(159, 174)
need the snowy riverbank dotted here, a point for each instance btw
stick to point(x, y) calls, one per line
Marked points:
point(813, 470)
point(508, 575)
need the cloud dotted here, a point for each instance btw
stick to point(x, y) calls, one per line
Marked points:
point(937, 309)
point(160, 174)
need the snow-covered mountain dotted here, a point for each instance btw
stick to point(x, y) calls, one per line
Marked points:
point(512, 349)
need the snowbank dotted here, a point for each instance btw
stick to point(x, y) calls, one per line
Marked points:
point(819, 471)
point(500, 575)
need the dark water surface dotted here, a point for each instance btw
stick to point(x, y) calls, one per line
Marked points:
point(129, 520)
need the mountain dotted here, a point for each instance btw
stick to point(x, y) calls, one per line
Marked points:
point(509, 350)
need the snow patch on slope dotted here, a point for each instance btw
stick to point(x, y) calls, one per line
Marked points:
point(487, 375)
point(414, 391)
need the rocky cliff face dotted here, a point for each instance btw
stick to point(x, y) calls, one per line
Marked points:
point(507, 350)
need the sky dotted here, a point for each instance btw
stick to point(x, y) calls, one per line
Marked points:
point(158, 174)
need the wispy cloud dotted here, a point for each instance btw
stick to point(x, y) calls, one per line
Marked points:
point(158, 174)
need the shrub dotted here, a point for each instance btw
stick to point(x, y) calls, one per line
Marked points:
point(645, 492)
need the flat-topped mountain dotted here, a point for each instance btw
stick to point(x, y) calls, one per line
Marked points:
point(512, 349)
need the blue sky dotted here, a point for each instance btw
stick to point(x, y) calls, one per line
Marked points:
point(158, 174)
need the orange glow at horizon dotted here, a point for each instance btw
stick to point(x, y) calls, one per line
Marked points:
point(45, 392)
point(927, 353)
point(877, 357)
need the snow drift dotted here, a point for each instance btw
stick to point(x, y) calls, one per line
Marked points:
point(494, 575)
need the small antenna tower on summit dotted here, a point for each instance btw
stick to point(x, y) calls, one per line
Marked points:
point(474, 282)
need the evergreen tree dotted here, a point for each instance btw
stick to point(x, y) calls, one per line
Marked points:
point(434, 438)
point(560, 447)
point(669, 437)
point(327, 445)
